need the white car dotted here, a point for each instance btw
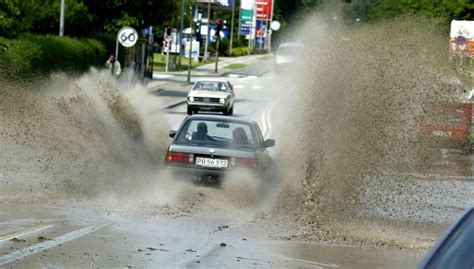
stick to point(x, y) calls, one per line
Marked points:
point(287, 54)
point(211, 95)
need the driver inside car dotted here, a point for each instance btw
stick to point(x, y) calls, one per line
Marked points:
point(201, 133)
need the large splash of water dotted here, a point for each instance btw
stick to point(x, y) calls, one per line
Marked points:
point(356, 97)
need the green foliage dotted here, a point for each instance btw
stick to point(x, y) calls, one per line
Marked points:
point(21, 55)
point(34, 53)
point(240, 51)
point(439, 11)
point(40, 16)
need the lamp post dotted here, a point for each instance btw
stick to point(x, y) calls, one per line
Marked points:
point(61, 19)
point(206, 44)
point(180, 35)
point(193, 23)
point(232, 28)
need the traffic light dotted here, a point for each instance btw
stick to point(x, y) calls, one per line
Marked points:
point(218, 29)
point(168, 30)
point(197, 30)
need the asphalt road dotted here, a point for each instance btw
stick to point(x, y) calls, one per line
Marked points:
point(214, 228)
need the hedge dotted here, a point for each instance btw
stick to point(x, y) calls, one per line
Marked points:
point(44, 54)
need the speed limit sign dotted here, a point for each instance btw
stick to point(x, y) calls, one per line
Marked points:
point(127, 36)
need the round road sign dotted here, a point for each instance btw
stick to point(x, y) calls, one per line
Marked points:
point(275, 25)
point(127, 36)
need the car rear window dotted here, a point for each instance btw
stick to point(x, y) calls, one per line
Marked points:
point(222, 134)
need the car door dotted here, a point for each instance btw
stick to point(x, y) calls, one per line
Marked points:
point(263, 155)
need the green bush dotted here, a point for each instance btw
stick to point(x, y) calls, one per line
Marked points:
point(43, 54)
point(240, 51)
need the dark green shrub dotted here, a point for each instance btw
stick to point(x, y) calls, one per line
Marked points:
point(240, 51)
point(43, 54)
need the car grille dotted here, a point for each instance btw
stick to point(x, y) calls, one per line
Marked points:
point(206, 99)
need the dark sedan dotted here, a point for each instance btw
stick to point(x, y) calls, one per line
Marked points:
point(210, 146)
point(456, 248)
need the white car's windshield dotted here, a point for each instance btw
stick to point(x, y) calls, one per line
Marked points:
point(210, 86)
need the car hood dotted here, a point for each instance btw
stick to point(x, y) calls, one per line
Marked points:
point(216, 94)
point(219, 152)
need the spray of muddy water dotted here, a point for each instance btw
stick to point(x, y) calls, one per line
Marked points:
point(354, 121)
point(65, 138)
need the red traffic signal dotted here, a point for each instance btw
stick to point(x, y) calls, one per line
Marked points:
point(168, 29)
point(219, 27)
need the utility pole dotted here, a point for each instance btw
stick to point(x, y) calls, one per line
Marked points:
point(180, 35)
point(217, 53)
point(61, 19)
point(232, 28)
point(206, 54)
point(270, 31)
point(193, 22)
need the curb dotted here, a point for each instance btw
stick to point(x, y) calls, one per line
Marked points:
point(175, 104)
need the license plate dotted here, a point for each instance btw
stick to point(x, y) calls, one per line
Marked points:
point(213, 163)
point(205, 108)
point(442, 133)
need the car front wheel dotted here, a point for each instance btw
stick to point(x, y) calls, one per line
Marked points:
point(229, 111)
point(190, 111)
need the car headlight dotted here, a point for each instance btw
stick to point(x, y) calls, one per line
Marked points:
point(222, 101)
point(191, 99)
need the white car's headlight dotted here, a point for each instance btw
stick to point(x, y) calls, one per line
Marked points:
point(191, 99)
point(222, 101)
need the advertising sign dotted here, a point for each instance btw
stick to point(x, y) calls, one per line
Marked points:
point(245, 28)
point(246, 4)
point(226, 3)
point(462, 38)
point(195, 50)
point(264, 9)
point(246, 16)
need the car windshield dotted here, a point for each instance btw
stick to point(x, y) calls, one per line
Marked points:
point(218, 133)
point(210, 86)
point(288, 51)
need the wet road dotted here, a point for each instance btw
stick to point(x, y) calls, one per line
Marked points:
point(210, 234)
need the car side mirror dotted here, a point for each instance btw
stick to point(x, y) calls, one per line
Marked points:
point(172, 133)
point(269, 143)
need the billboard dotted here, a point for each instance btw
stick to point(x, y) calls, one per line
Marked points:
point(462, 38)
point(264, 9)
point(246, 16)
point(227, 3)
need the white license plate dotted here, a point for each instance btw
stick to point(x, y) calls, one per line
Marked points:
point(213, 163)
point(442, 133)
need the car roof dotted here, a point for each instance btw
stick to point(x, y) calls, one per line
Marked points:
point(211, 80)
point(220, 118)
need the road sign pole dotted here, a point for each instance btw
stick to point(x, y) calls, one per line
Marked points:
point(127, 36)
point(190, 52)
point(232, 28)
point(168, 55)
point(206, 44)
point(217, 53)
point(180, 35)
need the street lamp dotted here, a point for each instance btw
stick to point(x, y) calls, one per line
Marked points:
point(61, 19)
